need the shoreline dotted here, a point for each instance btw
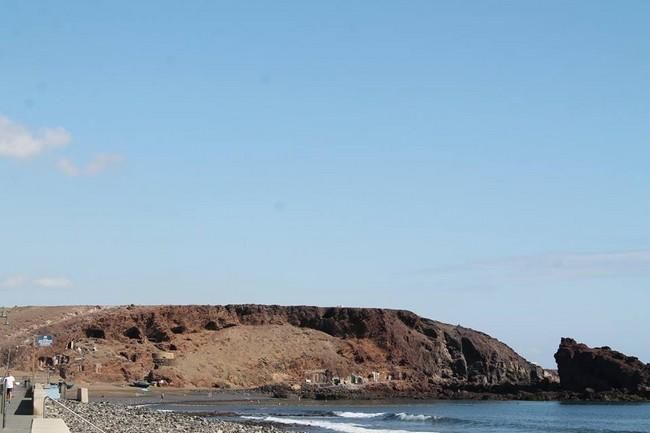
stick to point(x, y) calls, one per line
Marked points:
point(278, 393)
point(120, 416)
point(199, 396)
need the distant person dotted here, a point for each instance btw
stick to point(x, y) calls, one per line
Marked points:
point(8, 383)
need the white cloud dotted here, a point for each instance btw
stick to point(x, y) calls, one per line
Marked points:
point(67, 167)
point(12, 282)
point(53, 282)
point(549, 267)
point(102, 162)
point(16, 282)
point(17, 141)
point(97, 165)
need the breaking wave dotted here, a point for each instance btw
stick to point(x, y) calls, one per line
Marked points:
point(402, 416)
point(335, 426)
point(359, 414)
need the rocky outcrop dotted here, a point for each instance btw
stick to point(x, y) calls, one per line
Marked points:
point(379, 345)
point(600, 369)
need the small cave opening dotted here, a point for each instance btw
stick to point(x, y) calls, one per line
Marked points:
point(132, 357)
point(211, 326)
point(133, 332)
point(46, 361)
point(180, 329)
point(95, 333)
point(157, 336)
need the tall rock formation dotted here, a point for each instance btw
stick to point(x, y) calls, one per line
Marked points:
point(600, 369)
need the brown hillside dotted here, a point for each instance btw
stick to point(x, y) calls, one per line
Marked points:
point(253, 345)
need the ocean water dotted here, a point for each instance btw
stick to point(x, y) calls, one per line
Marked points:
point(439, 417)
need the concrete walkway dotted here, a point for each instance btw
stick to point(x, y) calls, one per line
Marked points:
point(49, 425)
point(19, 413)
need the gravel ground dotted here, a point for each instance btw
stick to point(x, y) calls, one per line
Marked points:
point(115, 418)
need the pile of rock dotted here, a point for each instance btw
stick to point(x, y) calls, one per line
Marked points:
point(115, 418)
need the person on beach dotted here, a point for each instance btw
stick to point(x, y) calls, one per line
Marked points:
point(8, 383)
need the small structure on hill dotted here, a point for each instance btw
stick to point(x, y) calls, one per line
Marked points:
point(354, 379)
point(321, 376)
point(163, 358)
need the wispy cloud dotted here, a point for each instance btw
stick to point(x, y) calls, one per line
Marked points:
point(18, 282)
point(12, 282)
point(68, 167)
point(549, 267)
point(97, 165)
point(53, 283)
point(18, 142)
point(102, 162)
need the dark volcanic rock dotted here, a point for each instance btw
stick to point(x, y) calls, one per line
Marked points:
point(600, 369)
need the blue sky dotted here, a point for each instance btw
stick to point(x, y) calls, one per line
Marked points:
point(478, 162)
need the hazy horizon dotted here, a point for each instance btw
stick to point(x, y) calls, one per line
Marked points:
point(481, 163)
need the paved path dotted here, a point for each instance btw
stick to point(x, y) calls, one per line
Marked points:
point(19, 413)
point(49, 425)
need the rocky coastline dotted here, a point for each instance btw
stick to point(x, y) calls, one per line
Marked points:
point(126, 417)
point(320, 353)
point(119, 418)
point(547, 392)
point(586, 374)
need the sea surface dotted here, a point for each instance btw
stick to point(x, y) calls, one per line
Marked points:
point(440, 417)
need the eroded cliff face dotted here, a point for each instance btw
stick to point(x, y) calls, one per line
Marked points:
point(254, 345)
point(600, 369)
